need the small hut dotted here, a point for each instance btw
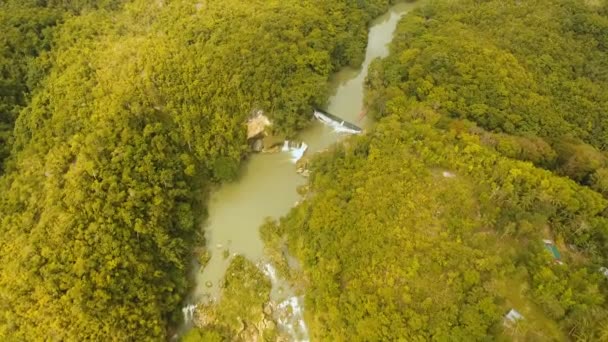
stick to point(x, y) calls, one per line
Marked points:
point(512, 317)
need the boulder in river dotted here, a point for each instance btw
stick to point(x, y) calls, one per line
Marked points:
point(275, 149)
point(303, 172)
point(303, 163)
point(267, 144)
point(257, 125)
point(257, 145)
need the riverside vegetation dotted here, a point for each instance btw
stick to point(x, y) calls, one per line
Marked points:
point(116, 117)
point(491, 137)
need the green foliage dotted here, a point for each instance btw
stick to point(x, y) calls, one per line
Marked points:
point(412, 231)
point(532, 149)
point(579, 161)
point(26, 36)
point(225, 169)
point(138, 108)
point(394, 248)
point(125, 111)
point(535, 69)
point(599, 181)
point(198, 335)
point(246, 291)
point(239, 315)
point(73, 6)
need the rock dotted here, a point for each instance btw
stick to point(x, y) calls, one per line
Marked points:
point(304, 172)
point(240, 328)
point(257, 145)
point(270, 325)
point(205, 317)
point(250, 334)
point(264, 324)
point(275, 149)
point(257, 125)
point(302, 163)
point(268, 309)
point(283, 338)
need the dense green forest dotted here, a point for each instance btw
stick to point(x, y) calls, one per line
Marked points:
point(25, 37)
point(491, 138)
point(534, 73)
point(116, 116)
point(414, 232)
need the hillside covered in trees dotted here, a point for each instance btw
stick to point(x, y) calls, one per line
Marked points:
point(117, 116)
point(414, 232)
point(534, 73)
point(491, 139)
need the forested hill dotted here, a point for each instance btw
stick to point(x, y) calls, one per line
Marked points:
point(117, 116)
point(417, 233)
point(428, 227)
point(27, 33)
point(533, 72)
point(124, 112)
point(25, 36)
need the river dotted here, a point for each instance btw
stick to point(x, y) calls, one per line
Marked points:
point(267, 186)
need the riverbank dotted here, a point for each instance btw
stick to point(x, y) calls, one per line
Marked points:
point(268, 184)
